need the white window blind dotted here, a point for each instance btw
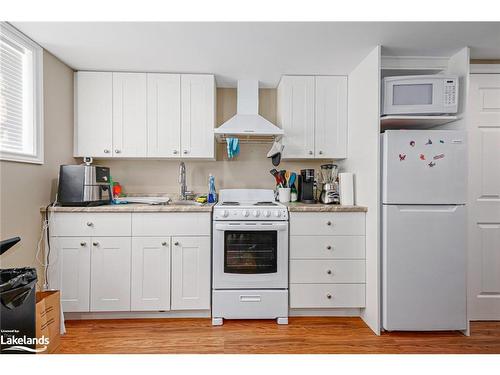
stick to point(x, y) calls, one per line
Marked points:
point(20, 97)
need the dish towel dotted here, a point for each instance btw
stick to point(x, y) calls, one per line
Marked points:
point(233, 147)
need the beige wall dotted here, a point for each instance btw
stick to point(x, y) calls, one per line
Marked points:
point(24, 188)
point(249, 170)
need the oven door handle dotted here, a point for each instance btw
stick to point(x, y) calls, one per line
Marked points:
point(278, 226)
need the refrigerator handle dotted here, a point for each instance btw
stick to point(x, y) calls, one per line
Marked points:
point(429, 208)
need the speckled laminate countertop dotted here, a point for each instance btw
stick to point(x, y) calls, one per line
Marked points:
point(135, 207)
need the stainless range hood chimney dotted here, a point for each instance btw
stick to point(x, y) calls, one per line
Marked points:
point(247, 124)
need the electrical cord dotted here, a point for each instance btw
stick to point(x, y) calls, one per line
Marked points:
point(45, 233)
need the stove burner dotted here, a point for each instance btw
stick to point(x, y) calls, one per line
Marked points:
point(228, 203)
point(265, 204)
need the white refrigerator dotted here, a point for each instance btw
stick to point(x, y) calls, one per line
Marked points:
point(423, 230)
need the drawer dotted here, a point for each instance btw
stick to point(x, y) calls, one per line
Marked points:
point(312, 271)
point(171, 224)
point(250, 304)
point(311, 296)
point(327, 247)
point(109, 224)
point(327, 223)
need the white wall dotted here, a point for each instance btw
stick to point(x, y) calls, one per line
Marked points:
point(363, 160)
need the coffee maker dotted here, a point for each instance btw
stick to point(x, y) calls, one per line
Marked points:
point(330, 191)
point(306, 186)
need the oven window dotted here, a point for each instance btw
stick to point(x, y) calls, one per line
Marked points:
point(250, 252)
point(412, 94)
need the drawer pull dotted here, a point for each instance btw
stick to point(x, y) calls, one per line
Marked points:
point(95, 243)
point(163, 243)
point(329, 272)
point(249, 298)
point(328, 223)
point(89, 223)
point(328, 247)
point(329, 296)
point(83, 244)
point(176, 243)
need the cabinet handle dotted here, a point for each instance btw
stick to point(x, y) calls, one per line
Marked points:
point(321, 152)
point(83, 243)
point(329, 223)
point(185, 152)
point(328, 247)
point(163, 243)
point(89, 223)
point(95, 243)
point(175, 152)
point(310, 152)
point(118, 151)
point(329, 272)
point(329, 296)
point(106, 151)
point(176, 243)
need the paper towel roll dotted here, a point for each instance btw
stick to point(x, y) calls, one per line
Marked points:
point(346, 187)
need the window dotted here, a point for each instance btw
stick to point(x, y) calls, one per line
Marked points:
point(21, 117)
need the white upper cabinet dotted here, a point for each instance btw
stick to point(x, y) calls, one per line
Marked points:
point(164, 115)
point(330, 132)
point(93, 114)
point(296, 116)
point(144, 115)
point(312, 110)
point(198, 115)
point(129, 114)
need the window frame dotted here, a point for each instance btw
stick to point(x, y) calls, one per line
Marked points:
point(37, 74)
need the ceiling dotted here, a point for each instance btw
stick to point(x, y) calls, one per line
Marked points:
point(253, 50)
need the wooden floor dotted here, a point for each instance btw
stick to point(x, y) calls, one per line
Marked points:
point(302, 335)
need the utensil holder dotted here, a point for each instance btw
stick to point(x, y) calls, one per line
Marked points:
point(284, 195)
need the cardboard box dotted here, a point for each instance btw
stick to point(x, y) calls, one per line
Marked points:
point(48, 320)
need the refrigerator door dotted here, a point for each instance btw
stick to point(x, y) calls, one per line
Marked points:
point(423, 268)
point(424, 167)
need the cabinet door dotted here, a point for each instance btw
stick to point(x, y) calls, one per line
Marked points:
point(198, 115)
point(110, 278)
point(93, 114)
point(70, 272)
point(296, 116)
point(164, 115)
point(330, 134)
point(129, 114)
point(190, 273)
point(150, 286)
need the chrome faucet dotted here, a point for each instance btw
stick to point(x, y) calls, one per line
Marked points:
point(182, 180)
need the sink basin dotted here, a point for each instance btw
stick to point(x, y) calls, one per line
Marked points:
point(185, 203)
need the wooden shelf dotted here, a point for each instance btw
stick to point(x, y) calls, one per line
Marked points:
point(414, 122)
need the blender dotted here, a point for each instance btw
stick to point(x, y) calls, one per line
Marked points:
point(330, 191)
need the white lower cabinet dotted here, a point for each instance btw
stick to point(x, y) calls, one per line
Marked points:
point(110, 274)
point(190, 273)
point(150, 284)
point(70, 272)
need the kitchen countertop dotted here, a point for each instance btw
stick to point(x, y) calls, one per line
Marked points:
point(134, 207)
point(320, 207)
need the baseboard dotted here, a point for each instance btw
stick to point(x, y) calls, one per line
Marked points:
point(137, 314)
point(324, 312)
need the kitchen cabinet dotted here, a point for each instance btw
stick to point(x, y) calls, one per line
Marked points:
point(164, 115)
point(198, 115)
point(93, 114)
point(150, 276)
point(190, 273)
point(71, 272)
point(129, 114)
point(110, 274)
point(143, 115)
point(312, 110)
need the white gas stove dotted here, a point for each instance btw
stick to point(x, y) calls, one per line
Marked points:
point(250, 256)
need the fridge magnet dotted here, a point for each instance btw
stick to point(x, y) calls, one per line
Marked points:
point(441, 141)
point(422, 157)
point(429, 142)
point(402, 157)
point(437, 157)
point(431, 164)
point(412, 143)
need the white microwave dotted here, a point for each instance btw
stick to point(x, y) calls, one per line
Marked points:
point(420, 95)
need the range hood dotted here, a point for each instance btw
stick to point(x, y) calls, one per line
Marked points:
point(247, 124)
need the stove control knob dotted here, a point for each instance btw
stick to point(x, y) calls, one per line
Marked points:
point(267, 213)
point(277, 213)
point(225, 213)
point(245, 213)
point(256, 213)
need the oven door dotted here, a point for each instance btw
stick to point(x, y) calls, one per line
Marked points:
point(250, 255)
